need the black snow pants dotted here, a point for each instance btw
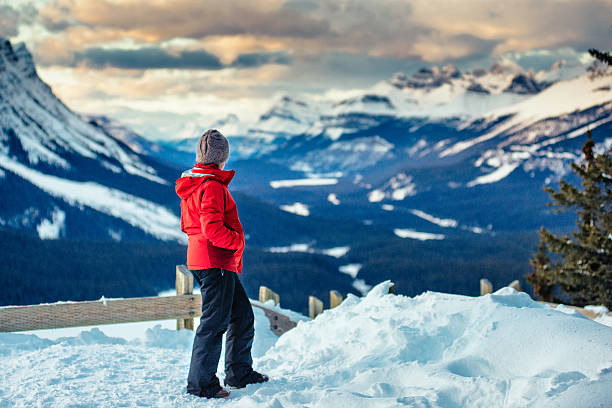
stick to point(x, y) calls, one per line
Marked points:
point(225, 306)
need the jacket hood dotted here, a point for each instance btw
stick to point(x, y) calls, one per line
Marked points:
point(191, 179)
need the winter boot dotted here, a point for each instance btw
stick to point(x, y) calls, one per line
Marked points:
point(222, 393)
point(253, 377)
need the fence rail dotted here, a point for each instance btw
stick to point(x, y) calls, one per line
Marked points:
point(111, 311)
point(108, 311)
point(183, 307)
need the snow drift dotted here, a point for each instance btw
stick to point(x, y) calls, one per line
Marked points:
point(433, 350)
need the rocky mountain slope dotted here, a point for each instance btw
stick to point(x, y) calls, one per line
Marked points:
point(64, 175)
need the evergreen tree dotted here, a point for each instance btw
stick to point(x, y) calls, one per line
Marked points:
point(601, 56)
point(542, 285)
point(583, 274)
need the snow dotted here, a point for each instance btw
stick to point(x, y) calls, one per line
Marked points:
point(292, 248)
point(453, 98)
point(303, 182)
point(410, 233)
point(476, 230)
point(296, 208)
point(396, 188)
point(152, 218)
point(369, 104)
point(286, 117)
point(381, 350)
point(344, 155)
point(353, 270)
point(115, 235)
point(47, 130)
point(375, 196)
point(361, 286)
point(127, 331)
point(498, 174)
point(604, 319)
point(332, 198)
point(549, 103)
point(387, 207)
point(350, 269)
point(602, 314)
point(438, 350)
point(443, 222)
point(52, 229)
point(336, 252)
point(294, 316)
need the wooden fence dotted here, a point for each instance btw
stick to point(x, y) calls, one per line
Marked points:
point(183, 307)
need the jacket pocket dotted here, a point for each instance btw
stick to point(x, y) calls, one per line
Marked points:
point(206, 276)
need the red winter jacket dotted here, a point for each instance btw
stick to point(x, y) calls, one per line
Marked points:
point(210, 219)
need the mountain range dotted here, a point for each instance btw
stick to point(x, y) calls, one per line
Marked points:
point(473, 148)
point(422, 164)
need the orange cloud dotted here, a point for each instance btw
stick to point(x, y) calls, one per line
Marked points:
point(432, 30)
point(162, 20)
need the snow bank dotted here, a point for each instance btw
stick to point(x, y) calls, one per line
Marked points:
point(498, 174)
point(433, 350)
point(336, 252)
point(303, 182)
point(51, 229)
point(397, 188)
point(443, 222)
point(410, 233)
point(296, 208)
point(441, 350)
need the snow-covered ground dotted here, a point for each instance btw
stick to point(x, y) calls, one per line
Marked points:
point(433, 350)
point(152, 218)
point(336, 252)
point(303, 182)
point(397, 188)
point(296, 208)
point(410, 233)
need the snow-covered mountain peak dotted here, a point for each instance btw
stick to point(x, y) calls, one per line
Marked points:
point(561, 70)
point(447, 81)
point(38, 129)
point(505, 67)
point(16, 59)
point(597, 69)
point(526, 83)
point(426, 78)
point(287, 117)
point(230, 125)
point(370, 103)
point(6, 50)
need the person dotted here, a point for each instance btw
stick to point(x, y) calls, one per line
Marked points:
point(215, 246)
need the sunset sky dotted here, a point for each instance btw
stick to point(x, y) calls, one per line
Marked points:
point(167, 67)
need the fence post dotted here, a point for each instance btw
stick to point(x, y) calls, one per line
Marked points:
point(392, 289)
point(516, 285)
point(184, 286)
point(335, 298)
point(485, 287)
point(266, 294)
point(315, 307)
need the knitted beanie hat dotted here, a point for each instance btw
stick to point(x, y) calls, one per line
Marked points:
point(213, 148)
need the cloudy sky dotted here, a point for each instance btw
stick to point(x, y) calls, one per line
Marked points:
point(167, 67)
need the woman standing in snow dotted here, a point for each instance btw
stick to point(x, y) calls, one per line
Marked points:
point(214, 256)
